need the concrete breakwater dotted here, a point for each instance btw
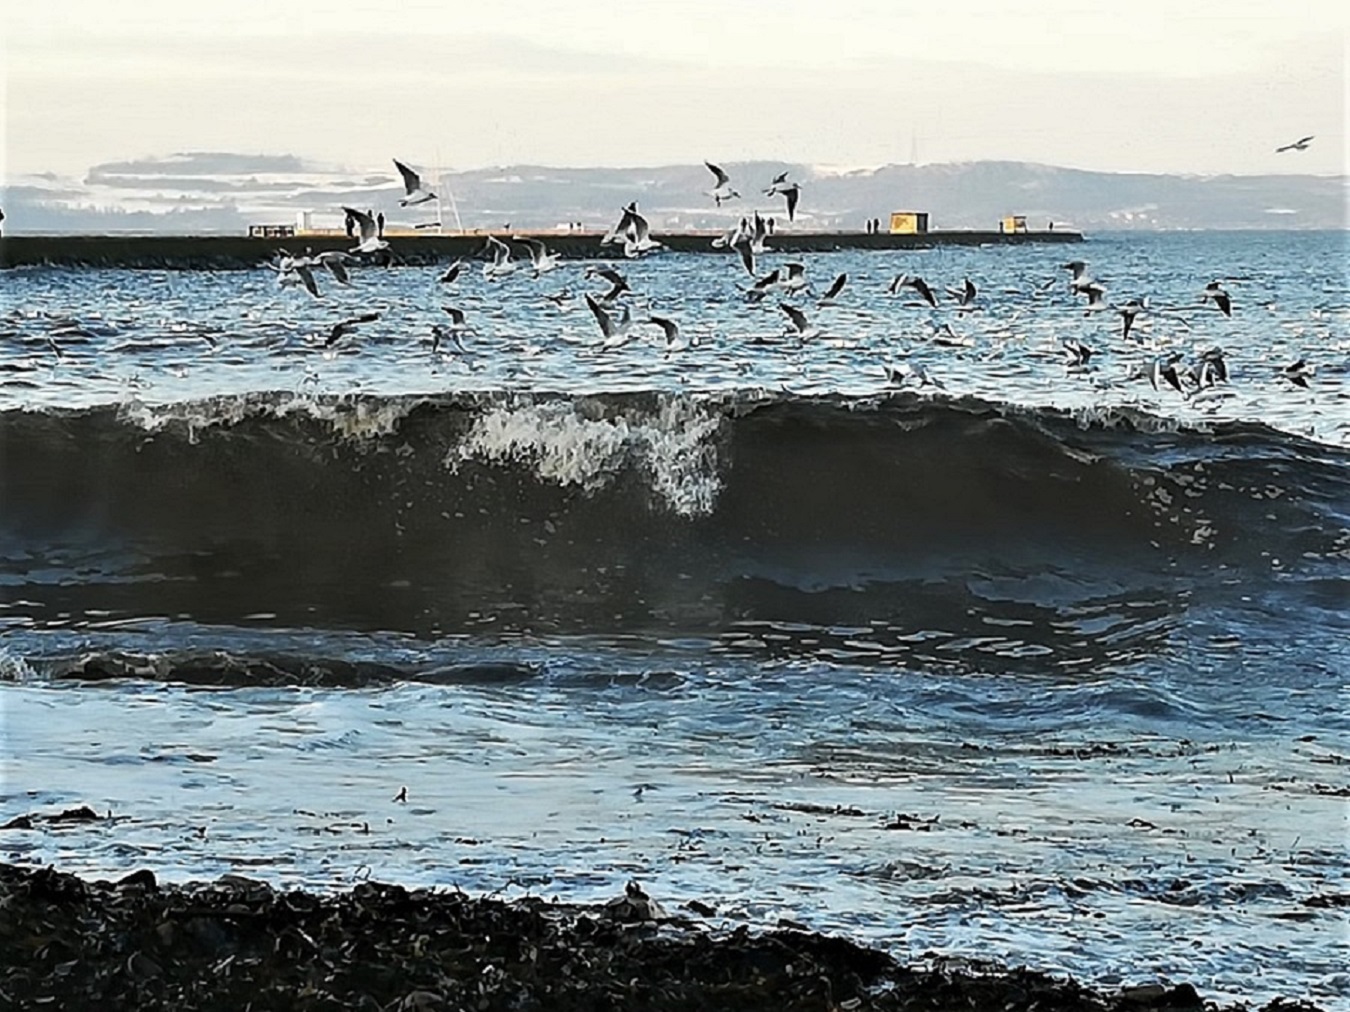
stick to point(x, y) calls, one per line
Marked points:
point(222, 252)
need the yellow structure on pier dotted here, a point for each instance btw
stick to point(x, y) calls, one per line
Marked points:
point(909, 222)
point(1013, 223)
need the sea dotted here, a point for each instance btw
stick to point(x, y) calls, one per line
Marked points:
point(913, 630)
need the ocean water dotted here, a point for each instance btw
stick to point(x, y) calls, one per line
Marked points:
point(1030, 662)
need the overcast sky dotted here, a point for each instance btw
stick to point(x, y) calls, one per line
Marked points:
point(1197, 86)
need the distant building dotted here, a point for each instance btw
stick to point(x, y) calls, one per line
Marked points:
point(271, 231)
point(909, 222)
point(1013, 223)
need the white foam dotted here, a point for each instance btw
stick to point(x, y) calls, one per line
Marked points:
point(354, 418)
point(673, 446)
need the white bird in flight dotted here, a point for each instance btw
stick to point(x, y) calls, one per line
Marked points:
point(412, 186)
point(722, 191)
point(370, 238)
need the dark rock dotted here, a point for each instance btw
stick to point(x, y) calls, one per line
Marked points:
point(239, 943)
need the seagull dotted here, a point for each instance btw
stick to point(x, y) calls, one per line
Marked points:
point(370, 237)
point(1214, 290)
point(964, 296)
point(779, 185)
point(618, 284)
point(412, 185)
point(800, 326)
point(1096, 299)
point(791, 192)
point(452, 272)
point(453, 330)
point(747, 251)
point(562, 300)
point(457, 324)
point(336, 261)
point(501, 264)
point(295, 271)
point(1165, 370)
point(898, 375)
point(1128, 312)
point(619, 230)
point(722, 191)
point(637, 238)
point(1297, 373)
point(766, 284)
point(615, 333)
point(1077, 352)
point(833, 291)
point(1081, 279)
point(1210, 369)
point(1299, 145)
point(733, 236)
point(949, 338)
point(347, 326)
point(540, 258)
point(759, 232)
point(795, 278)
point(674, 342)
point(917, 283)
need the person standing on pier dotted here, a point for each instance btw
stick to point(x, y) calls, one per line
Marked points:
point(379, 224)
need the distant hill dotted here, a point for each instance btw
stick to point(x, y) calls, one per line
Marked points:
point(223, 192)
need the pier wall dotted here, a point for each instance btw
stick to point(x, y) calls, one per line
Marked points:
point(169, 252)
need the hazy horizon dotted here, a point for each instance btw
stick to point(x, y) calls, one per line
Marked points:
point(1205, 89)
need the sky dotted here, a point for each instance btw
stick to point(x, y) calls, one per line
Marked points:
point(1181, 86)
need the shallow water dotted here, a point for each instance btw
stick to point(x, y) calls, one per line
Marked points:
point(1045, 666)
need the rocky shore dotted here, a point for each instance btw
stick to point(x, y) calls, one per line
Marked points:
point(240, 944)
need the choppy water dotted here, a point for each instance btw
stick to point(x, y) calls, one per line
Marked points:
point(1044, 665)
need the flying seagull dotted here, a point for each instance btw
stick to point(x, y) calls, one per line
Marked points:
point(793, 278)
point(1297, 373)
point(412, 186)
point(452, 272)
point(800, 326)
point(1081, 280)
point(295, 270)
point(347, 326)
point(1076, 352)
point(1210, 369)
point(671, 329)
point(833, 291)
point(336, 261)
point(615, 331)
point(1299, 145)
point(1214, 290)
point(1164, 370)
point(964, 296)
point(370, 235)
point(638, 239)
point(501, 264)
point(918, 284)
point(540, 258)
point(792, 191)
point(618, 284)
point(722, 191)
point(899, 375)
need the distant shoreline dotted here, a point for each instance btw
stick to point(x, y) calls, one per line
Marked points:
point(227, 252)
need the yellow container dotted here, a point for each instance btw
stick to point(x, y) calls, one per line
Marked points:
point(909, 222)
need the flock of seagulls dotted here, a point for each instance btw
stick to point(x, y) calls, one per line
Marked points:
point(751, 239)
